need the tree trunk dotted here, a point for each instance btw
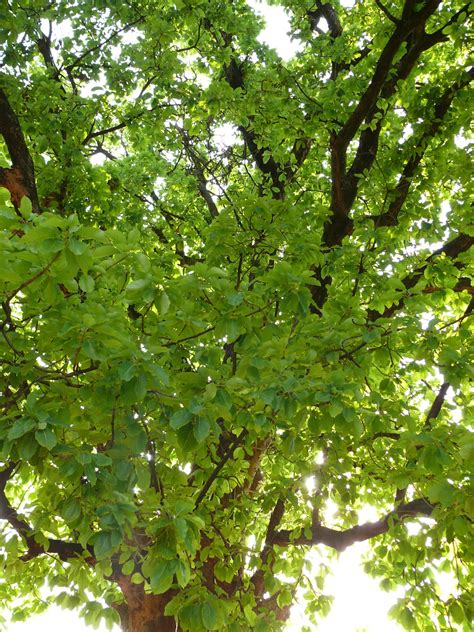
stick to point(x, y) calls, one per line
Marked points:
point(142, 612)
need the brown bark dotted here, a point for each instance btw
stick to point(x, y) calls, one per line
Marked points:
point(143, 612)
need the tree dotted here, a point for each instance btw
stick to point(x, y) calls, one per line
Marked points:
point(205, 343)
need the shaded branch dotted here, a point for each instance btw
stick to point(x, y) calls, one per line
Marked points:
point(227, 455)
point(404, 29)
point(384, 10)
point(33, 278)
point(274, 521)
point(199, 172)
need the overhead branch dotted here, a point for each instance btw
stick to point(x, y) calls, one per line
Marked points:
point(390, 217)
point(65, 550)
point(384, 10)
point(198, 168)
point(94, 49)
point(413, 21)
point(340, 540)
point(432, 414)
point(326, 11)
point(227, 455)
point(452, 249)
point(262, 156)
point(345, 183)
point(20, 179)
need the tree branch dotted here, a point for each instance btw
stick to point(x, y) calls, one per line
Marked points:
point(390, 217)
point(384, 10)
point(65, 550)
point(275, 519)
point(220, 465)
point(22, 171)
point(452, 249)
point(340, 540)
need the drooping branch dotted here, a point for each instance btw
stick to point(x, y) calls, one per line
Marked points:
point(340, 540)
point(20, 179)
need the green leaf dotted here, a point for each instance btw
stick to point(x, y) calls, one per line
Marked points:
point(86, 283)
point(27, 447)
point(201, 429)
point(183, 573)
point(71, 510)
point(161, 576)
point(46, 438)
point(128, 567)
point(209, 616)
point(103, 544)
point(20, 428)
point(138, 285)
point(180, 418)
point(164, 303)
point(26, 208)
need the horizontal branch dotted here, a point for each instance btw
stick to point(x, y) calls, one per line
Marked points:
point(340, 540)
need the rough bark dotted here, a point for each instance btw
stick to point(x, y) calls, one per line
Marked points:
point(142, 612)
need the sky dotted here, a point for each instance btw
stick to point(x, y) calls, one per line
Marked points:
point(358, 604)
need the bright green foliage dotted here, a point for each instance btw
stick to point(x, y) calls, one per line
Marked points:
point(192, 328)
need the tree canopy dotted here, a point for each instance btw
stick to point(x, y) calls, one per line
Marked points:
point(235, 294)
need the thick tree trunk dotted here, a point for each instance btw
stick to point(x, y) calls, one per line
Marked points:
point(142, 612)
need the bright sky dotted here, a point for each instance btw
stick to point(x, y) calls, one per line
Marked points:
point(359, 604)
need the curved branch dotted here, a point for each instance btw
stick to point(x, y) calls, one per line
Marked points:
point(340, 540)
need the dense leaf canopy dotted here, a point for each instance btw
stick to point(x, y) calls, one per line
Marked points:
point(235, 308)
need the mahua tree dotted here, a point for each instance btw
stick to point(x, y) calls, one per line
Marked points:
point(235, 294)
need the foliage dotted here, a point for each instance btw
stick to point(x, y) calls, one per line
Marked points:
point(235, 294)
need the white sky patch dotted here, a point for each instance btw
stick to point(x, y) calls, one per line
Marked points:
point(225, 135)
point(41, 362)
point(461, 141)
point(276, 32)
point(97, 159)
point(310, 484)
point(445, 210)
point(359, 604)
